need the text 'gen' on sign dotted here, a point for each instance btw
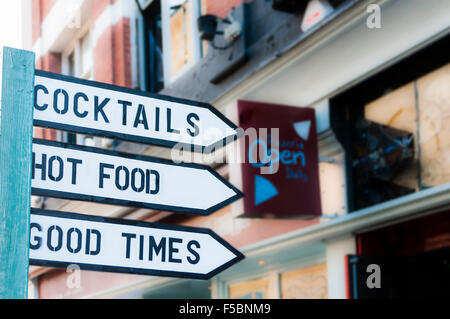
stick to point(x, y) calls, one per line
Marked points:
point(58, 239)
point(94, 108)
point(93, 174)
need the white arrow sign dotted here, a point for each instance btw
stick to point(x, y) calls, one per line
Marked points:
point(93, 174)
point(94, 108)
point(59, 239)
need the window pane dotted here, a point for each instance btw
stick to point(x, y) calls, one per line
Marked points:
point(86, 54)
point(397, 110)
point(433, 92)
point(154, 56)
point(180, 35)
point(306, 283)
point(255, 289)
point(71, 64)
point(401, 142)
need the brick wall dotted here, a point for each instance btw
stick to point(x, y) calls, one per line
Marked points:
point(112, 55)
point(104, 57)
point(221, 8)
point(122, 49)
point(35, 20)
point(112, 52)
point(51, 62)
point(40, 9)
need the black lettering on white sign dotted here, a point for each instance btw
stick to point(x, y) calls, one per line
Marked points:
point(92, 174)
point(59, 239)
point(93, 108)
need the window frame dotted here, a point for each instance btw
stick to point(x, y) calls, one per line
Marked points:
point(424, 60)
point(75, 48)
point(278, 260)
point(195, 12)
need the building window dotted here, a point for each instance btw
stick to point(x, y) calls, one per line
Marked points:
point(394, 128)
point(173, 41)
point(78, 61)
point(86, 57)
point(255, 289)
point(154, 48)
point(71, 64)
point(181, 42)
point(305, 283)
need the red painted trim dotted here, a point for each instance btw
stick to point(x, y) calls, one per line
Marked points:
point(359, 245)
point(347, 278)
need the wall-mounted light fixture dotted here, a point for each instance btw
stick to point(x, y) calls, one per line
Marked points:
point(207, 27)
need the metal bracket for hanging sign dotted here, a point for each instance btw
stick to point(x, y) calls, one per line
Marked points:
point(330, 160)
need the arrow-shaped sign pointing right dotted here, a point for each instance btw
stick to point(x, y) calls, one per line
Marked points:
point(93, 108)
point(59, 239)
point(92, 174)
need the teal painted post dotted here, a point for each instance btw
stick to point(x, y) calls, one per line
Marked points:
point(15, 170)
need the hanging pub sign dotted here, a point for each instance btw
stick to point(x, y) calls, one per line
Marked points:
point(278, 168)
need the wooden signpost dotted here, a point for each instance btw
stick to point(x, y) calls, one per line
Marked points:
point(15, 170)
point(68, 171)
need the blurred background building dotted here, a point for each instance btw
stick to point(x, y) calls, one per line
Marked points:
point(377, 74)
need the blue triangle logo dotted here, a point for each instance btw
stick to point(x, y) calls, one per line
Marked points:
point(264, 190)
point(302, 129)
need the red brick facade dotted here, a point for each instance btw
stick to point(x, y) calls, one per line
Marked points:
point(51, 62)
point(221, 8)
point(112, 51)
point(112, 55)
point(40, 9)
point(104, 70)
point(122, 49)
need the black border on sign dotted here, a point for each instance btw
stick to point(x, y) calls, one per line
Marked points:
point(121, 202)
point(129, 270)
point(133, 138)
